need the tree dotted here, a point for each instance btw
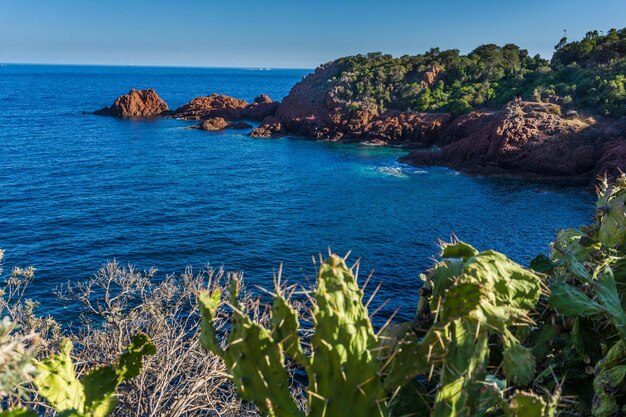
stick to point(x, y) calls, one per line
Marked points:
point(561, 43)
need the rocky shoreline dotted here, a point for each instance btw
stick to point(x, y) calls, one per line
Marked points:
point(529, 140)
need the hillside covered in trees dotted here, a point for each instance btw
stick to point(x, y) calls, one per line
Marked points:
point(587, 74)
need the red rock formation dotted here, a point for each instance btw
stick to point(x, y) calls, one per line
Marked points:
point(137, 103)
point(612, 160)
point(408, 127)
point(431, 76)
point(262, 107)
point(215, 105)
point(271, 126)
point(214, 123)
point(313, 109)
point(306, 109)
point(263, 98)
point(219, 123)
point(532, 141)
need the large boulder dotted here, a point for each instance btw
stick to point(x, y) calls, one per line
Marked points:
point(215, 105)
point(213, 124)
point(262, 107)
point(137, 103)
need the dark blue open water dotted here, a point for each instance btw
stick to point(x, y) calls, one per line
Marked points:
point(76, 190)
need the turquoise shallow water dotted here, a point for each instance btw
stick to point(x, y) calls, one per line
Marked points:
point(76, 189)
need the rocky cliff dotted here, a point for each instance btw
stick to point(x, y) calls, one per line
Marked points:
point(532, 140)
point(314, 108)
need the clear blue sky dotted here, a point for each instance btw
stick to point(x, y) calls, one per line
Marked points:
point(282, 33)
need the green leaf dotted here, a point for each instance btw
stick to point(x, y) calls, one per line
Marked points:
point(460, 300)
point(100, 385)
point(569, 301)
point(519, 364)
point(458, 250)
point(131, 360)
point(57, 381)
point(285, 329)
point(209, 303)
point(610, 375)
point(525, 404)
point(610, 300)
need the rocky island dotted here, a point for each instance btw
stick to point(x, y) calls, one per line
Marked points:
point(494, 111)
point(137, 103)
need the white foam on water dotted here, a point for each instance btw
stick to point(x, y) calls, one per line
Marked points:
point(392, 171)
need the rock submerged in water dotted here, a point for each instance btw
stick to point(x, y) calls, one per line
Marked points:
point(137, 103)
point(214, 124)
point(147, 103)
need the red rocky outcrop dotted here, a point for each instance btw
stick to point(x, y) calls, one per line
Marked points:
point(408, 127)
point(261, 107)
point(213, 124)
point(137, 103)
point(215, 105)
point(313, 109)
point(271, 126)
point(531, 140)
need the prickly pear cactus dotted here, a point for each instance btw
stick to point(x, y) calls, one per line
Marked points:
point(587, 315)
point(610, 214)
point(253, 355)
point(343, 371)
point(528, 404)
point(473, 296)
point(610, 377)
point(94, 394)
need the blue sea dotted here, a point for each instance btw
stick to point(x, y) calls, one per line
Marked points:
point(77, 190)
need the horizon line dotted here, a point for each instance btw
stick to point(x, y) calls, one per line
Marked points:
point(62, 64)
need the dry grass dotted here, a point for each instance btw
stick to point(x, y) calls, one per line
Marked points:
point(182, 379)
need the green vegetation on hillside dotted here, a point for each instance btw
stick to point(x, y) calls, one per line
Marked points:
point(588, 74)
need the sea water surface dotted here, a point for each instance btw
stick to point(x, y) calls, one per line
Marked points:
point(77, 190)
